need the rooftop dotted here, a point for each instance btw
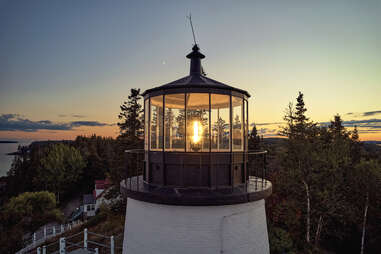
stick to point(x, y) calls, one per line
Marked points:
point(196, 78)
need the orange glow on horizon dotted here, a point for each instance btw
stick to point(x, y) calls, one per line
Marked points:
point(105, 131)
point(113, 131)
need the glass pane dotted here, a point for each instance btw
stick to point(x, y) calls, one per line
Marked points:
point(220, 119)
point(237, 125)
point(146, 123)
point(174, 122)
point(157, 122)
point(197, 122)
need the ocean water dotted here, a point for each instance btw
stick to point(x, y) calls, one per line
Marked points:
point(6, 160)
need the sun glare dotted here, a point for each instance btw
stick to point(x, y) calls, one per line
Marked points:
point(196, 132)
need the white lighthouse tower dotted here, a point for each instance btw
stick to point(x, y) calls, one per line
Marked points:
point(195, 188)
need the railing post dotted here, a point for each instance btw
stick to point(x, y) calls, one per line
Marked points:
point(265, 168)
point(128, 175)
point(112, 245)
point(96, 251)
point(62, 245)
point(34, 238)
point(137, 176)
point(62, 229)
point(39, 250)
point(54, 230)
point(85, 238)
point(44, 232)
point(44, 249)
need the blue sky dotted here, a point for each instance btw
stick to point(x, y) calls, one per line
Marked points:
point(64, 59)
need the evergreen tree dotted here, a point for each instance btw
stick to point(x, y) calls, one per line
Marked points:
point(300, 158)
point(131, 115)
point(356, 146)
point(254, 140)
point(355, 134)
point(336, 127)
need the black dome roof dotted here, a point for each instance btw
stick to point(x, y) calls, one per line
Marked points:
point(196, 78)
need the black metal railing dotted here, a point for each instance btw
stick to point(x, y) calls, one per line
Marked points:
point(135, 167)
point(255, 170)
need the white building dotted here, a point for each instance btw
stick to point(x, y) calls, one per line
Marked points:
point(88, 205)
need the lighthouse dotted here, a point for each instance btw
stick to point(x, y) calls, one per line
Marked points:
point(195, 187)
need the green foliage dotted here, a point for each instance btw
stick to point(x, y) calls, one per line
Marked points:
point(68, 168)
point(32, 209)
point(254, 140)
point(95, 220)
point(60, 169)
point(280, 241)
point(131, 135)
point(99, 152)
point(119, 163)
point(26, 213)
point(131, 116)
point(327, 168)
point(106, 222)
point(23, 169)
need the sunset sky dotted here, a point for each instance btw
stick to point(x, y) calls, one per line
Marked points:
point(67, 66)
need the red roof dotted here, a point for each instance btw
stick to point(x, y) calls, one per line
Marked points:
point(102, 184)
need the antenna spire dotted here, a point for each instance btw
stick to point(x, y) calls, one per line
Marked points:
point(190, 21)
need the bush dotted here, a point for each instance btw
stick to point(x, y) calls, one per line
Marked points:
point(280, 241)
point(93, 221)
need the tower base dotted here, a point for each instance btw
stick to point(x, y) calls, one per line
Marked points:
point(170, 229)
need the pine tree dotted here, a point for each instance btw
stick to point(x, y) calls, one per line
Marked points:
point(299, 159)
point(336, 127)
point(131, 116)
point(254, 139)
point(355, 134)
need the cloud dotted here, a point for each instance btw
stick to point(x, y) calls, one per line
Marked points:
point(72, 115)
point(369, 131)
point(263, 124)
point(87, 123)
point(372, 123)
point(371, 113)
point(367, 113)
point(363, 123)
point(78, 116)
point(267, 132)
point(15, 122)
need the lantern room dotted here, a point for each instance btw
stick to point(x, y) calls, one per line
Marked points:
point(195, 131)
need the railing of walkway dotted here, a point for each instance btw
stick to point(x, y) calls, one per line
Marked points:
point(256, 168)
point(46, 233)
point(86, 240)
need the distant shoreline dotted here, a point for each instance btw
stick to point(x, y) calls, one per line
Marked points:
point(8, 142)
